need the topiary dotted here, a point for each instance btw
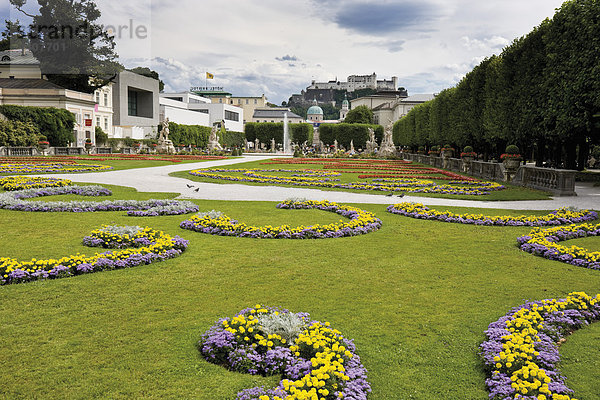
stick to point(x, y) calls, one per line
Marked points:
point(512, 149)
point(468, 149)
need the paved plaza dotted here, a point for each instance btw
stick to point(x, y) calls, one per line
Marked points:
point(157, 179)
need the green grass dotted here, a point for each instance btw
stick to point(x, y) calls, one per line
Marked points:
point(416, 296)
point(116, 164)
point(510, 193)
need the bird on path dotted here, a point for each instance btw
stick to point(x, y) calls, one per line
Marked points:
point(390, 194)
point(401, 194)
point(197, 189)
point(190, 186)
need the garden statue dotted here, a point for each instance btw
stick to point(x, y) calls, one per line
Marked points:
point(213, 139)
point(256, 144)
point(387, 144)
point(273, 145)
point(371, 143)
point(165, 146)
point(335, 145)
point(352, 147)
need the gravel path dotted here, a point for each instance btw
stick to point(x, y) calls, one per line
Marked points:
point(157, 179)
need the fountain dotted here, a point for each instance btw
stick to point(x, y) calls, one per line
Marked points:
point(286, 135)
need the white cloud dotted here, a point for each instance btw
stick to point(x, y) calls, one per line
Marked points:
point(277, 47)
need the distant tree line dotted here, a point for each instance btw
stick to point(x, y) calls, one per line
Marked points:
point(541, 93)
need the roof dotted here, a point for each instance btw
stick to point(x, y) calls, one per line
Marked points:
point(7, 83)
point(211, 93)
point(314, 110)
point(16, 57)
point(273, 113)
point(419, 98)
point(384, 106)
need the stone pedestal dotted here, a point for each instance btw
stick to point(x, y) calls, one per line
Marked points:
point(165, 146)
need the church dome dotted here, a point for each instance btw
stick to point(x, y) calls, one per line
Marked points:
point(315, 110)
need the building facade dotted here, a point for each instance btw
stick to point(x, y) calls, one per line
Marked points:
point(135, 106)
point(275, 114)
point(355, 82)
point(176, 107)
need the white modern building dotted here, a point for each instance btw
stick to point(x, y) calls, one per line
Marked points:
point(176, 107)
point(135, 106)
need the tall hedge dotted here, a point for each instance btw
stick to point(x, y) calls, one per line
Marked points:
point(56, 124)
point(231, 139)
point(17, 133)
point(345, 133)
point(189, 134)
point(265, 131)
point(541, 93)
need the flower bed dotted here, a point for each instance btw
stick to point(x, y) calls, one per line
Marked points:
point(521, 350)
point(152, 246)
point(314, 360)
point(544, 242)
point(31, 182)
point(45, 167)
point(387, 185)
point(558, 217)
point(361, 222)
point(14, 201)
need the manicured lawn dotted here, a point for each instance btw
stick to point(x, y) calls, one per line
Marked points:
point(510, 193)
point(416, 296)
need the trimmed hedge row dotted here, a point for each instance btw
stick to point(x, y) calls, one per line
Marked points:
point(198, 135)
point(265, 131)
point(344, 133)
point(54, 123)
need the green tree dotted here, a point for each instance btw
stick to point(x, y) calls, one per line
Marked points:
point(145, 71)
point(13, 36)
point(73, 50)
point(359, 115)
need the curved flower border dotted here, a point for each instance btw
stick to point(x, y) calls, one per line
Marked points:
point(137, 208)
point(544, 242)
point(521, 350)
point(557, 217)
point(31, 182)
point(361, 222)
point(155, 246)
point(318, 363)
point(386, 185)
point(40, 168)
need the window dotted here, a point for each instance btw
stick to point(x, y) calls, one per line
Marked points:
point(132, 103)
point(106, 99)
point(247, 100)
point(239, 101)
point(255, 101)
point(105, 124)
point(98, 97)
point(220, 100)
point(97, 121)
point(231, 116)
point(231, 102)
point(88, 134)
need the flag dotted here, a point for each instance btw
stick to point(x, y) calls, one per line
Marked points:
point(209, 76)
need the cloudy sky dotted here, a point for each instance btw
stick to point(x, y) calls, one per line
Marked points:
point(277, 47)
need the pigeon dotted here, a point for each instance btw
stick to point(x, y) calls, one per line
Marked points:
point(190, 186)
point(389, 194)
point(401, 194)
point(197, 189)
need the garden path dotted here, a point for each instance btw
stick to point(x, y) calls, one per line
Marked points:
point(157, 179)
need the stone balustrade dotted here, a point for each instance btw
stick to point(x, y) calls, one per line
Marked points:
point(559, 182)
point(19, 151)
point(68, 151)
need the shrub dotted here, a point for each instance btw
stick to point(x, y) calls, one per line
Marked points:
point(468, 149)
point(512, 149)
point(57, 124)
point(18, 133)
